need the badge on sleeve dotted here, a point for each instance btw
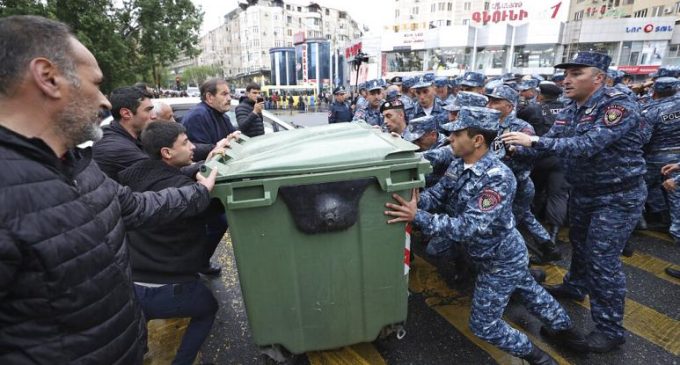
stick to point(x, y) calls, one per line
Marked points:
point(488, 200)
point(613, 115)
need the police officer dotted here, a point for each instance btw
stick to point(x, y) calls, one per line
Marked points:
point(427, 104)
point(598, 137)
point(528, 91)
point(340, 110)
point(671, 173)
point(441, 85)
point(614, 79)
point(521, 161)
point(475, 198)
point(473, 82)
point(374, 97)
point(441, 157)
point(662, 128)
point(360, 102)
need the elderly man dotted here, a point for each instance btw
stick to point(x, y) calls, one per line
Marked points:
point(598, 137)
point(207, 121)
point(65, 291)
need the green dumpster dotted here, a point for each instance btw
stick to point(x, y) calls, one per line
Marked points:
point(318, 265)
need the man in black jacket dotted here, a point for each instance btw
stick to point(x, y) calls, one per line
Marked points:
point(65, 290)
point(167, 258)
point(119, 148)
point(249, 112)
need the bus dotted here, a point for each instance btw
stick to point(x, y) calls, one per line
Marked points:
point(294, 90)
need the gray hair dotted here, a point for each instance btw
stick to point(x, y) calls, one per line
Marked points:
point(24, 38)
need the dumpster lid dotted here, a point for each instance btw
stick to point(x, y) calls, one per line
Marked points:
point(331, 147)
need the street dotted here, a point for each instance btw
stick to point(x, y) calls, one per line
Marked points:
point(437, 327)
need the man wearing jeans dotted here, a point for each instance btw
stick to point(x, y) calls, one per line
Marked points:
point(166, 259)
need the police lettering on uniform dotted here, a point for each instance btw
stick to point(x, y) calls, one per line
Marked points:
point(662, 132)
point(598, 137)
point(472, 206)
point(340, 110)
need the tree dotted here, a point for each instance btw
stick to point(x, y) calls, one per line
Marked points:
point(196, 75)
point(160, 30)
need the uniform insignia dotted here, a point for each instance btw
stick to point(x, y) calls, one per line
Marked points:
point(488, 200)
point(589, 110)
point(560, 122)
point(613, 115)
point(498, 147)
point(586, 119)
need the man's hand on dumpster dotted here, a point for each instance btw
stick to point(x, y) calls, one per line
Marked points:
point(406, 210)
point(235, 135)
point(208, 182)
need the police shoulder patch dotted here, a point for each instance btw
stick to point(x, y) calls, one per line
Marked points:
point(613, 115)
point(488, 200)
point(611, 92)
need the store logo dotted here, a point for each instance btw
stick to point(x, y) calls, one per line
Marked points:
point(650, 28)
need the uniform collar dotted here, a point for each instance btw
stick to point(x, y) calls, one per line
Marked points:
point(480, 167)
point(594, 99)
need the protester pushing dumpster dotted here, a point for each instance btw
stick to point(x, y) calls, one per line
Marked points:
point(318, 265)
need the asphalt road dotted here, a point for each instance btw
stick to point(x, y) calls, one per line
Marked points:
point(436, 328)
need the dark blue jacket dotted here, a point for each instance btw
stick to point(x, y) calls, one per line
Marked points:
point(206, 125)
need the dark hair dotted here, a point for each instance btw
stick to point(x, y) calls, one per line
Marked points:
point(159, 134)
point(210, 86)
point(128, 97)
point(665, 93)
point(252, 86)
point(23, 38)
point(488, 135)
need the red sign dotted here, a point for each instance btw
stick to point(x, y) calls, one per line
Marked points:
point(304, 63)
point(299, 37)
point(638, 70)
point(352, 50)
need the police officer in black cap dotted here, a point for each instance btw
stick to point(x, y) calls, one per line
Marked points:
point(340, 110)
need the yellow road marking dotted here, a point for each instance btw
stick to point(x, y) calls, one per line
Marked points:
point(658, 235)
point(650, 264)
point(455, 308)
point(359, 354)
point(639, 319)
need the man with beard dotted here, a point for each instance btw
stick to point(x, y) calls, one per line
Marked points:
point(120, 147)
point(65, 290)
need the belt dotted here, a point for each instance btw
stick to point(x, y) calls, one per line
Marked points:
point(592, 191)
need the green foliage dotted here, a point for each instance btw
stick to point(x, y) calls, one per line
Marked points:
point(133, 40)
point(195, 75)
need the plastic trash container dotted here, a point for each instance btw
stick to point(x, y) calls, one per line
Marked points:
point(319, 266)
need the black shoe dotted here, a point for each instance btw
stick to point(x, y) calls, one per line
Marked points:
point(539, 275)
point(212, 269)
point(538, 357)
point(673, 272)
point(549, 253)
point(570, 338)
point(559, 291)
point(628, 250)
point(601, 343)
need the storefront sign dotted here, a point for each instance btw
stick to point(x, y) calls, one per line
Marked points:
point(304, 63)
point(520, 11)
point(649, 28)
point(638, 70)
point(352, 50)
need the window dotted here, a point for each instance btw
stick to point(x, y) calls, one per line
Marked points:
point(414, 11)
point(433, 7)
point(657, 11)
point(449, 6)
point(448, 22)
point(289, 19)
point(578, 15)
point(290, 32)
point(467, 5)
point(288, 7)
point(396, 13)
point(640, 14)
point(441, 6)
point(299, 8)
point(328, 12)
point(630, 2)
point(486, 5)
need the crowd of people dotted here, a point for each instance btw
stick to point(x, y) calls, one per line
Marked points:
point(95, 242)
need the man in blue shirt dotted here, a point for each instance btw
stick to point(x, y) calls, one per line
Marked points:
point(206, 122)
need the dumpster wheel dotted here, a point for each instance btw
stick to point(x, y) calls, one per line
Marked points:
point(397, 329)
point(276, 352)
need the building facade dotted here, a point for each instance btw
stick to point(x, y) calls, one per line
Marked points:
point(240, 46)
